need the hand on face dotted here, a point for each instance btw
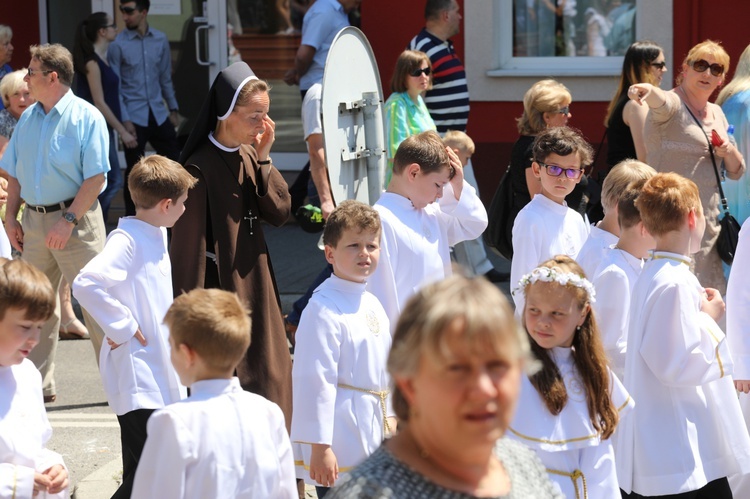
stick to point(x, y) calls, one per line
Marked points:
point(264, 140)
point(457, 181)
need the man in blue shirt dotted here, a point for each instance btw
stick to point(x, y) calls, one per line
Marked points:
point(57, 161)
point(141, 58)
point(321, 24)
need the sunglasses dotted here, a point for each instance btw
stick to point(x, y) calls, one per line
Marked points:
point(127, 10)
point(556, 171)
point(564, 110)
point(660, 65)
point(417, 72)
point(701, 65)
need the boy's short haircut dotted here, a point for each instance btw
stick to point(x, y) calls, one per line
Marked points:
point(627, 214)
point(213, 323)
point(665, 200)
point(155, 178)
point(620, 177)
point(350, 215)
point(24, 287)
point(425, 149)
point(563, 141)
point(456, 139)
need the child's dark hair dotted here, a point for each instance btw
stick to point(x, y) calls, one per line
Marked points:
point(589, 358)
point(155, 178)
point(350, 215)
point(627, 213)
point(563, 141)
point(24, 287)
point(425, 149)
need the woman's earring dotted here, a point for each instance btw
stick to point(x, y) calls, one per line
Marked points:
point(578, 328)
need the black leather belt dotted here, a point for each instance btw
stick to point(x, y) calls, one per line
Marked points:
point(51, 208)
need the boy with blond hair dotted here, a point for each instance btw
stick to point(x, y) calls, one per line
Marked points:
point(471, 253)
point(27, 467)
point(687, 433)
point(221, 441)
point(128, 289)
point(605, 234)
point(340, 384)
point(427, 208)
point(615, 277)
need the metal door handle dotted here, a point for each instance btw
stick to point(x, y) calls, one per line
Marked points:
point(198, 45)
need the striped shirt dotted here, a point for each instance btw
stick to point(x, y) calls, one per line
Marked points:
point(448, 101)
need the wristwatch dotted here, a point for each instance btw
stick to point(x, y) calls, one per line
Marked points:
point(70, 217)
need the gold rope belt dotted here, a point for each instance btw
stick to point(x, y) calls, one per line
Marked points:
point(574, 476)
point(382, 395)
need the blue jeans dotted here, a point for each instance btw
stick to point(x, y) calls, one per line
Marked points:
point(299, 305)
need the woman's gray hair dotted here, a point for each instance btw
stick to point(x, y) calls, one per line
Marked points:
point(5, 33)
point(10, 84)
point(472, 305)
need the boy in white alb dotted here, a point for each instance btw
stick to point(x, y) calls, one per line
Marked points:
point(27, 468)
point(546, 227)
point(738, 336)
point(615, 278)
point(687, 433)
point(604, 234)
point(128, 288)
point(221, 441)
point(341, 403)
point(427, 208)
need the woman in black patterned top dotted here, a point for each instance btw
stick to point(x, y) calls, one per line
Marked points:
point(456, 361)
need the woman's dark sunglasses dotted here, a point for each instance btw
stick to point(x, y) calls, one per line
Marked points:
point(416, 72)
point(702, 65)
point(556, 171)
point(660, 65)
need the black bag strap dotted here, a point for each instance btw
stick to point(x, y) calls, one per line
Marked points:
point(724, 203)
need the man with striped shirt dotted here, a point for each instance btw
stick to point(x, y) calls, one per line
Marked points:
point(448, 103)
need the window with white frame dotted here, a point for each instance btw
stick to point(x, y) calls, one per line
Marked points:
point(512, 43)
point(572, 28)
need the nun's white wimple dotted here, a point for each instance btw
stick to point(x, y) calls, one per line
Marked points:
point(234, 99)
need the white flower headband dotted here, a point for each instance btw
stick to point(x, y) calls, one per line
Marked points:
point(556, 274)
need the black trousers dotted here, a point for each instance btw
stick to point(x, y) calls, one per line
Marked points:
point(162, 138)
point(717, 489)
point(133, 438)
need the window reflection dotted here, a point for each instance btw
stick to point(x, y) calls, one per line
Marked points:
point(549, 28)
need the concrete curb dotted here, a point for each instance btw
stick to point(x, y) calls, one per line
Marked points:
point(100, 484)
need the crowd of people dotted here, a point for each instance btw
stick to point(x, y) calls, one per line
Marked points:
point(413, 377)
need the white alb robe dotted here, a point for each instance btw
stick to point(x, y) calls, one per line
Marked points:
point(343, 342)
point(567, 443)
point(415, 244)
point(24, 432)
point(126, 287)
point(594, 250)
point(688, 429)
point(738, 335)
point(542, 230)
point(614, 281)
point(220, 442)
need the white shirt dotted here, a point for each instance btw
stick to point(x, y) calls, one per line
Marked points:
point(415, 244)
point(688, 429)
point(542, 230)
point(344, 339)
point(568, 442)
point(220, 442)
point(24, 432)
point(592, 252)
point(738, 306)
point(125, 287)
point(614, 281)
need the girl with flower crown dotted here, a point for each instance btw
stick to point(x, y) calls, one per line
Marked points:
point(570, 407)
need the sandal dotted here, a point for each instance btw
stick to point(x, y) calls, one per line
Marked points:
point(78, 332)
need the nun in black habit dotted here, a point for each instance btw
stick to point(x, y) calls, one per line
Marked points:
point(219, 242)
